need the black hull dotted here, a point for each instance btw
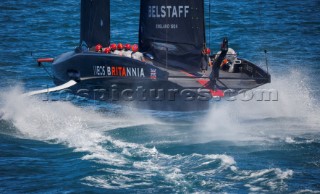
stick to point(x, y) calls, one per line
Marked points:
point(126, 81)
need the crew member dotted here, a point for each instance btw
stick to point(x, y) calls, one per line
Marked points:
point(113, 47)
point(127, 50)
point(225, 64)
point(119, 50)
point(205, 60)
point(107, 50)
point(229, 61)
point(136, 54)
point(98, 48)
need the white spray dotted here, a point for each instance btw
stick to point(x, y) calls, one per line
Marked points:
point(294, 111)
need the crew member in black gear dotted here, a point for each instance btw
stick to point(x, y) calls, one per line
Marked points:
point(205, 60)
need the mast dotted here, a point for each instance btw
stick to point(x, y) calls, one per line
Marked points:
point(95, 22)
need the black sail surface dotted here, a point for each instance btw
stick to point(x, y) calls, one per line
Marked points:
point(95, 22)
point(173, 31)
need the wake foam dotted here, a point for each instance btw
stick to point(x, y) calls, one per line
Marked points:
point(125, 164)
point(131, 165)
point(295, 112)
point(64, 123)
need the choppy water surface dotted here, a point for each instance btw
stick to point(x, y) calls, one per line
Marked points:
point(235, 147)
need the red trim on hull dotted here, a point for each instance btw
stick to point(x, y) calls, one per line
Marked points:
point(205, 83)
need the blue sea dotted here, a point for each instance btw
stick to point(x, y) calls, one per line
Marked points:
point(85, 146)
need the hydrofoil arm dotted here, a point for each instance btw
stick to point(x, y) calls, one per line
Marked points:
point(54, 89)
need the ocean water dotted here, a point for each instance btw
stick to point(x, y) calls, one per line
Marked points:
point(83, 146)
